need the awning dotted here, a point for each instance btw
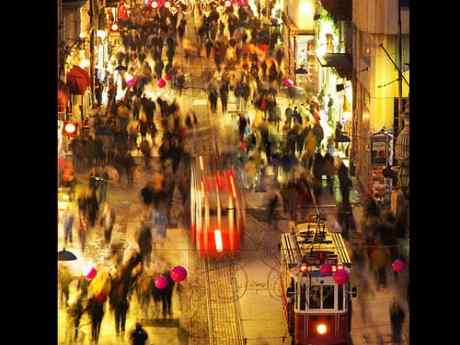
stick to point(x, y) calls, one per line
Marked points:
point(78, 80)
point(73, 3)
point(341, 62)
point(339, 9)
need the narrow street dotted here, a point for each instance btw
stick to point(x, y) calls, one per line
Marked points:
point(238, 300)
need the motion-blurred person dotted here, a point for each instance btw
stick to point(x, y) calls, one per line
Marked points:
point(96, 314)
point(68, 221)
point(75, 312)
point(146, 153)
point(103, 184)
point(107, 221)
point(144, 240)
point(65, 278)
point(167, 296)
point(138, 336)
point(345, 182)
point(397, 316)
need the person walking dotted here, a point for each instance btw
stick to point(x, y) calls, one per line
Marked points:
point(242, 123)
point(96, 314)
point(107, 222)
point(138, 336)
point(397, 316)
point(144, 240)
point(65, 278)
point(213, 96)
point(103, 184)
point(345, 182)
point(167, 296)
point(130, 164)
point(223, 91)
point(146, 153)
point(69, 219)
point(75, 312)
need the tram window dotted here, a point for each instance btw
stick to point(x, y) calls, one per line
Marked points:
point(315, 297)
point(340, 298)
point(303, 296)
point(328, 296)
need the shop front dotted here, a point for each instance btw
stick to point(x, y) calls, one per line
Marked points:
point(299, 38)
point(336, 89)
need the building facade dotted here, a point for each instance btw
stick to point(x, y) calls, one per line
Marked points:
point(377, 34)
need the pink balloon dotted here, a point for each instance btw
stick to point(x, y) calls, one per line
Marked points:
point(161, 83)
point(91, 274)
point(131, 82)
point(288, 83)
point(398, 265)
point(160, 282)
point(340, 276)
point(325, 270)
point(178, 274)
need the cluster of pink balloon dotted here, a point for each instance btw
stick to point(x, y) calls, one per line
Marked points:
point(398, 265)
point(341, 276)
point(178, 274)
point(288, 83)
point(161, 83)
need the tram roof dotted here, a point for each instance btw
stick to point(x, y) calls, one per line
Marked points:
point(308, 237)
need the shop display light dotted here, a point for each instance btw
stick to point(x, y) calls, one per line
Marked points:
point(70, 128)
point(167, 4)
point(114, 27)
point(154, 4)
point(228, 3)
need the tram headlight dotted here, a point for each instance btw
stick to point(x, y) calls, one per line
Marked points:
point(321, 329)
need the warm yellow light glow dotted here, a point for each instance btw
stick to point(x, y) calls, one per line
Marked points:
point(233, 186)
point(306, 8)
point(321, 328)
point(84, 63)
point(321, 51)
point(218, 239)
point(101, 34)
point(201, 163)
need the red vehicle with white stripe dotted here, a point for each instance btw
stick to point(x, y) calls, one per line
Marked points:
point(318, 309)
point(217, 209)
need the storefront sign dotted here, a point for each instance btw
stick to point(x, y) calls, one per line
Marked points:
point(379, 149)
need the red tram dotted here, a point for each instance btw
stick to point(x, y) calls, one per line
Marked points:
point(318, 309)
point(217, 209)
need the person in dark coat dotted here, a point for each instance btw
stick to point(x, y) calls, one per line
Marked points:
point(76, 311)
point(318, 165)
point(242, 123)
point(144, 240)
point(213, 96)
point(345, 182)
point(223, 91)
point(130, 164)
point(159, 65)
point(167, 295)
point(397, 317)
point(139, 336)
point(96, 314)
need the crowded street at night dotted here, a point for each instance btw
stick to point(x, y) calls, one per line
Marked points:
point(225, 176)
